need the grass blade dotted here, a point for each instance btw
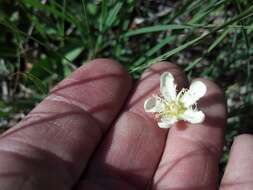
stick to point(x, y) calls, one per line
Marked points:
point(166, 55)
point(87, 32)
point(193, 64)
point(37, 82)
point(157, 28)
point(151, 52)
point(113, 15)
point(218, 40)
point(203, 13)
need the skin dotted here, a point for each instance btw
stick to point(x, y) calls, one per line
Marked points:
point(91, 132)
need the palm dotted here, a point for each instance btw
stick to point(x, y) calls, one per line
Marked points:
point(76, 138)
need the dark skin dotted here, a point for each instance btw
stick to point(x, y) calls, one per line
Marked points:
point(91, 132)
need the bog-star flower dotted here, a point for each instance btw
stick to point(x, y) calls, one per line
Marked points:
point(170, 107)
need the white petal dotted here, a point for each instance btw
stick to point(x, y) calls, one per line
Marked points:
point(154, 104)
point(193, 116)
point(196, 91)
point(167, 123)
point(167, 86)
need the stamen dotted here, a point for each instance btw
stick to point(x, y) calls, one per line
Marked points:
point(173, 109)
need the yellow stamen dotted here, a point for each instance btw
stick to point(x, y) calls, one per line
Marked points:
point(173, 108)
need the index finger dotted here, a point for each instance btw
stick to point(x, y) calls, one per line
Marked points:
point(53, 143)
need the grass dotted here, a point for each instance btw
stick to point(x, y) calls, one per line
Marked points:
point(42, 42)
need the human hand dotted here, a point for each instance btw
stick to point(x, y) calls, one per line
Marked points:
point(85, 135)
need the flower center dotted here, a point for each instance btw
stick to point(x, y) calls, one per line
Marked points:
point(173, 108)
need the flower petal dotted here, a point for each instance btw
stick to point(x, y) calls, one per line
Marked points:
point(167, 123)
point(167, 86)
point(196, 91)
point(154, 104)
point(193, 116)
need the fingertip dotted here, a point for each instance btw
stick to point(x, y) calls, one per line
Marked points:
point(161, 67)
point(109, 64)
point(242, 143)
point(239, 170)
point(243, 139)
point(150, 81)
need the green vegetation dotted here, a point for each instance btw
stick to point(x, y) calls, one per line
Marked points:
point(41, 42)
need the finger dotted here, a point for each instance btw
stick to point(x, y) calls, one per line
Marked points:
point(192, 151)
point(128, 156)
point(239, 170)
point(51, 146)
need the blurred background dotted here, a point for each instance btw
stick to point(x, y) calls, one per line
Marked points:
point(42, 42)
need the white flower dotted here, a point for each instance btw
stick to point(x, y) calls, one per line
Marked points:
point(171, 107)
